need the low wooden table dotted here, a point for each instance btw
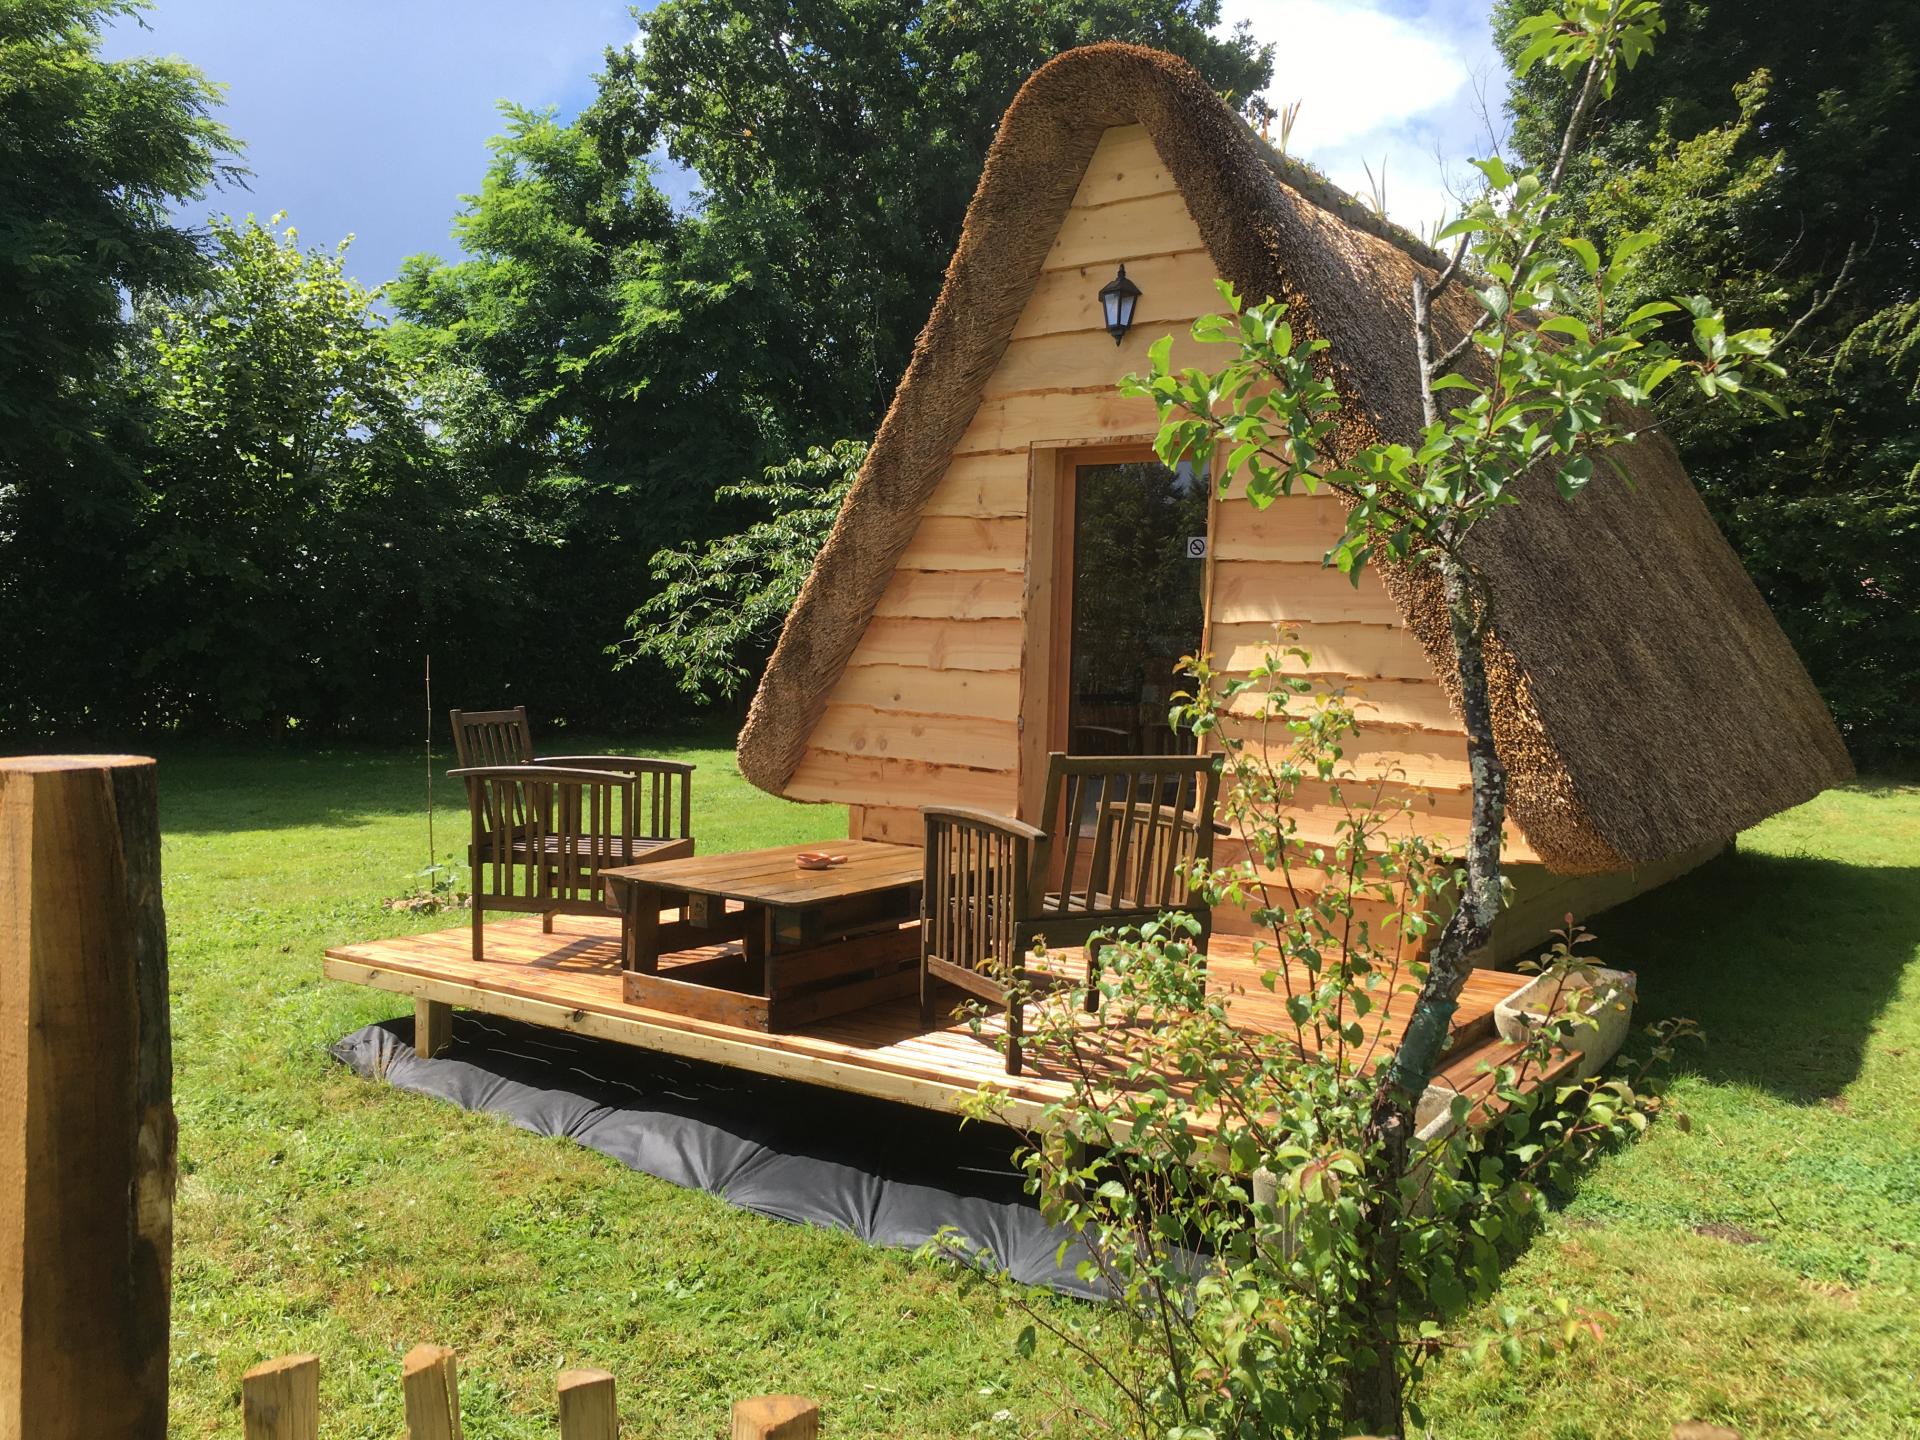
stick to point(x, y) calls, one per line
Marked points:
point(813, 943)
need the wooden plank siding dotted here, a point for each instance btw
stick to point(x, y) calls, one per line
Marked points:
point(933, 706)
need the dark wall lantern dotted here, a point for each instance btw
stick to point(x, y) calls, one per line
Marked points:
point(1117, 298)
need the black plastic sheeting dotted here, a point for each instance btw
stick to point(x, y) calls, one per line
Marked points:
point(890, 1174)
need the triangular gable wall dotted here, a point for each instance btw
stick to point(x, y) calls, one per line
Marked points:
point(928, 709)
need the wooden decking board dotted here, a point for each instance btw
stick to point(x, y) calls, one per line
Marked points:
point(571, 979)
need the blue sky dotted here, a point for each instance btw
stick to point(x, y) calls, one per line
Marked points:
point(371, 117)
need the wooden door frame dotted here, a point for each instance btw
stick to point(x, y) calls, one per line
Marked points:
point(1047, 614)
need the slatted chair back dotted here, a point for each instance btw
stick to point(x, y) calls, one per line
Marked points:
point(1125, 831)
point(663, 791)
point(492, 737)
point(542, 836)
point(977, 889)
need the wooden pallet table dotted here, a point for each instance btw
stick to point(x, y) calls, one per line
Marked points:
point(800, 944)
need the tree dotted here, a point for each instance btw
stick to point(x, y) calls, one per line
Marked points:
point(299, 542)
point(619, 394)
point(1551, 374)
point(720, 607)
point(1217, 1181)
point(1770, 159)
point(95, 153)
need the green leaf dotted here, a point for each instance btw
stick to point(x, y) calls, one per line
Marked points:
point(1630, 245)
point(1588, 255)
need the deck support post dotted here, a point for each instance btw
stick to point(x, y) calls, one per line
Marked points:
point(87, 1131)
point(432, 1028)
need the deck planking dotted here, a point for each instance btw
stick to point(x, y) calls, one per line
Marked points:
point(570, 979)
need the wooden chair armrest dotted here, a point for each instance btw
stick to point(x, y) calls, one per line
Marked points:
point(554, 773)
point(983, 820)
point(634, 764)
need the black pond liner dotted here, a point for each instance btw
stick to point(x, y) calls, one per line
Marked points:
point(890, 1174)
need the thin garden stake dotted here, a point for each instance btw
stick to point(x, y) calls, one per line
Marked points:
point(432, 852)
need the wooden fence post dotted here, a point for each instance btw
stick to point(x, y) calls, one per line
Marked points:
point(776, 1417)
point(280, 1399)
point(587, 1409)
point(430, 1385)
point(86, 1101)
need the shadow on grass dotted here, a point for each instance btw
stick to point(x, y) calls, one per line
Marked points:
point(1787, 962)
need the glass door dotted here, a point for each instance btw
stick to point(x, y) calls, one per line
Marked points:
point(1137, 602)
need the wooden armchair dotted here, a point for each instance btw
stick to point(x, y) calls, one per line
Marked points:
point(544, 827)
point(1122, 829)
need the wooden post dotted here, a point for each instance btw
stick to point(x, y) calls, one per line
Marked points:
point(86, 1101)
point(776, 1417)
point(280, 1399)
point(586, 1406)
point(430, 1385)
point(432, 1027)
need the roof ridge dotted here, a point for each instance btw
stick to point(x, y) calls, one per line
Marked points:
point(1314, 186)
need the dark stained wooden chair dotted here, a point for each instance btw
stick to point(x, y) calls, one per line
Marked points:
point(544, 827)
point(1121, 831)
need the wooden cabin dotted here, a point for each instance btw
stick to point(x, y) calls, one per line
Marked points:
point(1014, 573)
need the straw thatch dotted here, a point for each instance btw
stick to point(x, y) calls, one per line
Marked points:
point(1645, 701)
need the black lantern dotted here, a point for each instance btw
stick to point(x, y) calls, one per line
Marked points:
point(1118, 297)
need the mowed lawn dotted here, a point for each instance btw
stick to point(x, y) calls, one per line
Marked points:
point(1763, 1270)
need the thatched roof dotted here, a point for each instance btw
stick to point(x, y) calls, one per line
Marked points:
point(1645, 701)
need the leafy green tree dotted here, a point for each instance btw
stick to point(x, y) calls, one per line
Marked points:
point(1221, 1186)
point(720, 606)
point(1772, 157)
point(300, 544)
point(610, 391)
point(93, 153)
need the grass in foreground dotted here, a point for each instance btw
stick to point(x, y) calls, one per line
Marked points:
point(1763, 1271)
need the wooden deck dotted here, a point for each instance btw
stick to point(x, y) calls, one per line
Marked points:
point(571, 980)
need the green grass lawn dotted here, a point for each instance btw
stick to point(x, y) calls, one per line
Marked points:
point(1763, 1270)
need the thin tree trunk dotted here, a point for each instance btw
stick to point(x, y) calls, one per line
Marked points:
point(1375, 1400)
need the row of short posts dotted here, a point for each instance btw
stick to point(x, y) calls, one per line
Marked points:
point(280, 1400)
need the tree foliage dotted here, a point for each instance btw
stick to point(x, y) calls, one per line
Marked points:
point(1772, 158)
point(721, 605)
point(838, 144)
point(94, 152)
point(300, 542)
point(649, 363)
point(599, 377)
point(1221, 1186)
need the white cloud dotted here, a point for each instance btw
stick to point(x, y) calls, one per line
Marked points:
point(1391, 86)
